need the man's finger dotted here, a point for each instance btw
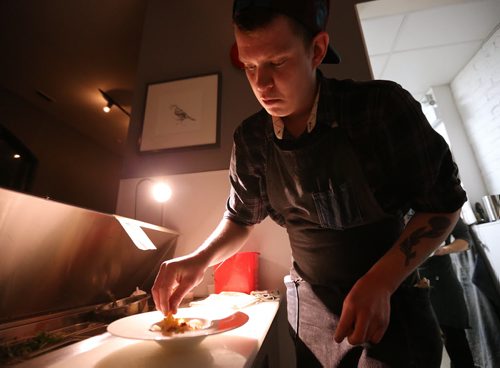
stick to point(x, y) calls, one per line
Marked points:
point(156, 298)
point(377, 335)
point(162, 290)
point(156, 291)
point(177, 296)
point(345, 326)
point(165, 294)
point(375, 339)
point(358, 335)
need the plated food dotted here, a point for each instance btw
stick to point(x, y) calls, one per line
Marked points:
point(171, 325)
point(185, 329)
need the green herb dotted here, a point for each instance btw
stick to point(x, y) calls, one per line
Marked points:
point(26, 347)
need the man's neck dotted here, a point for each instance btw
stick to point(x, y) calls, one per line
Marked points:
point(296, 125)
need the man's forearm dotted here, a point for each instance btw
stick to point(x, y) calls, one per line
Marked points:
point(423, 234)
point(224, 241)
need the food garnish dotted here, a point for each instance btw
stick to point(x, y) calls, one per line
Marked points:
point(28, 347)
point(171, 325)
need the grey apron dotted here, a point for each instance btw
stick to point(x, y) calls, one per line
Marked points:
point(337, 231)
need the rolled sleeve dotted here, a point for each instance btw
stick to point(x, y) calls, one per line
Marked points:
point(443, 192)
point(428, 178)
point(245, 204)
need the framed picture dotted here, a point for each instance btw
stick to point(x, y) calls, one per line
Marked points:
point(181, 113)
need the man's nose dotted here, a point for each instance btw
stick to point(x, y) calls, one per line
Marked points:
point(263, 79)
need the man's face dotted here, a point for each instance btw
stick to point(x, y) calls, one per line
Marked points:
point(280, 70)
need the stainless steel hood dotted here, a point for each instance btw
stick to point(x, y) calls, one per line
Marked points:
point(56, 257)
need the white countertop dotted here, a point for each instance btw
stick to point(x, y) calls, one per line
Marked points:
point(231, 349)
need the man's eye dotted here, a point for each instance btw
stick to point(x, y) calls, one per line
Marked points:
point(278, 63)
point(250, 68)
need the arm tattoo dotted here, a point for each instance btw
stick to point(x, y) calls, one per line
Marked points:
point(438, 226)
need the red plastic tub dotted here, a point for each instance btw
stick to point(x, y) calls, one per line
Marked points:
point(238, 273)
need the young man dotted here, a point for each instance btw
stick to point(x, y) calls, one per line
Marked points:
point(338, 164)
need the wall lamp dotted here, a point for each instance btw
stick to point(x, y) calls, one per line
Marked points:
point(110, 102)
point(160, 191)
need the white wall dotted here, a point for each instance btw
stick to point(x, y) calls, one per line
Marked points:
point(195, 209)
point(477, 95)
point(460, 146)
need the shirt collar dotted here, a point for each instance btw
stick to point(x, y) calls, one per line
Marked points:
point(279, 125)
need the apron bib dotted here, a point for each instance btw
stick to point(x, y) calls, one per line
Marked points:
point(337, 231)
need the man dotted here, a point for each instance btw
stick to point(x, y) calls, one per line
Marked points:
point(338, 164)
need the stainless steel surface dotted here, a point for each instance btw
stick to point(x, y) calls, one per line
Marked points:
point(124, 307)
point(66, 352)
point(491, 204)
point(57, 257)
point(24, 340)
point(31, 326)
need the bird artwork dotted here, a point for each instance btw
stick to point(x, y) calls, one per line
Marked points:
point(180, 114)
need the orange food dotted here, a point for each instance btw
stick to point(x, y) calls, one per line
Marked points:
point(171, 325)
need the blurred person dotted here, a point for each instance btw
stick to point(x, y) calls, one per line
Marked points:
point(447, 296)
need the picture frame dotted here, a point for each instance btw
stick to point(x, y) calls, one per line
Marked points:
point(181, 113)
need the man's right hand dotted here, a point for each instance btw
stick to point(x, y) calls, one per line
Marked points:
point(178, 276)
point(175, 279)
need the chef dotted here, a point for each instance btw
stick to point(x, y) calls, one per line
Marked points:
point(338, 164)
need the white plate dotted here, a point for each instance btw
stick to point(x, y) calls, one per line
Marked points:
point(138, 327)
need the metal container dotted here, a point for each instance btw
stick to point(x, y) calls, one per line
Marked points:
point(124, 307)
point(491, 204)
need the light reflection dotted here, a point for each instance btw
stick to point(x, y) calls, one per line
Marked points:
point(136, 234)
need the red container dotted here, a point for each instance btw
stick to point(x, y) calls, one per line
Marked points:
point(238, 273)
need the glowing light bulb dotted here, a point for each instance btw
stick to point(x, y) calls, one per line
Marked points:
point(161, 192)
point(106, 109)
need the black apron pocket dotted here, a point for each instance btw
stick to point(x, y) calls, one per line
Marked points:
point(338, 209)
point(413, 338)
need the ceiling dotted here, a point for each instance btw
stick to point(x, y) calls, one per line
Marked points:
point(67, 50)
point(425, 43)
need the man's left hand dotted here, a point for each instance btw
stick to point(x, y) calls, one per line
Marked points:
point(365, 313)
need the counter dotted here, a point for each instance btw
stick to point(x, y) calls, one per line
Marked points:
point(252, 345)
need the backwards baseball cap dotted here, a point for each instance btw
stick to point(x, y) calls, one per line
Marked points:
point(312, 14)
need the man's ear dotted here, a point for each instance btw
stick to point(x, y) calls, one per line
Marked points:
point(320, 46)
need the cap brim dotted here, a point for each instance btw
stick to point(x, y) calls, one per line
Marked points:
point(331, 57)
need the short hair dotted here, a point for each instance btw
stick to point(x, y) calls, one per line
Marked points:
point(252, 19)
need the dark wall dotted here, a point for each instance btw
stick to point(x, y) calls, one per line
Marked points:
point(70, 168)
point(194, 37)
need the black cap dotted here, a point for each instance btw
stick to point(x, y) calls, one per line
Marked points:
point(312, 14)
